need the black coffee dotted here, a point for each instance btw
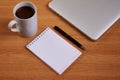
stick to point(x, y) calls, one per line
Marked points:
point(25, 12)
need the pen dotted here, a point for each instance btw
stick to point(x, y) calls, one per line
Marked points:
point(69, 37)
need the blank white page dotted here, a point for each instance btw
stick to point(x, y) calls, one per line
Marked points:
point(54, 50)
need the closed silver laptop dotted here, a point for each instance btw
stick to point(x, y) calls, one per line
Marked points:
point(92, 17)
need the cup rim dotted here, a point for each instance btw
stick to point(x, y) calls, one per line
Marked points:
point(24, 2)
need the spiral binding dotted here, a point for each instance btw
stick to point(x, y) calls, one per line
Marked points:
point(39, 36)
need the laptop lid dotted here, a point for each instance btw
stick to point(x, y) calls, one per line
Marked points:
point(92, 17)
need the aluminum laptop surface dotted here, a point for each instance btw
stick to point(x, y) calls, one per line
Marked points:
point(92, 17)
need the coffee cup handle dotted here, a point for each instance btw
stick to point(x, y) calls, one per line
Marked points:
point(11, 24)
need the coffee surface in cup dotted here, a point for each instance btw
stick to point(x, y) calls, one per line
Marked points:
point(25, 12)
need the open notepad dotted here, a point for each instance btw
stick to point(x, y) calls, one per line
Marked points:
point(54, 50)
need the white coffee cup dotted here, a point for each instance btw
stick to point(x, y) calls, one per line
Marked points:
point(26, 27)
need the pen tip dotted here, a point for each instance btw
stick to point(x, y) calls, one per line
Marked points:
point(82, 47)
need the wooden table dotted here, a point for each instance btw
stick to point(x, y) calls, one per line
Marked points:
point(101, 60)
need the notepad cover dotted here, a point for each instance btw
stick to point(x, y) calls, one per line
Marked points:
point(54, 50)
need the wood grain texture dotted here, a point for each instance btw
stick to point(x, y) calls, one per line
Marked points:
point(101, 60)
